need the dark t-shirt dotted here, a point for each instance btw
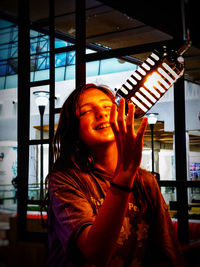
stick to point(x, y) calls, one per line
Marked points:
point(147, 237)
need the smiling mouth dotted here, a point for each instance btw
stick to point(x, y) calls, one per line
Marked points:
point(102, 126)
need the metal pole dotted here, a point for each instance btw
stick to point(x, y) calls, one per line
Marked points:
point(23, 115)
point(41, 109)
point(52, 79)
point(181, 160)
point(152, 147)
point(80, 43)
point(180, 139)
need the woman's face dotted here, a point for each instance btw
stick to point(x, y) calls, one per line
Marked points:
point(93, 111)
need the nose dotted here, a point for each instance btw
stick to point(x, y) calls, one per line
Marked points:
point(101, 113)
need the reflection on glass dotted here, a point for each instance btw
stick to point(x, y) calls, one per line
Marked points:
point(194, 213)
point(8, 176)
point(169, 194)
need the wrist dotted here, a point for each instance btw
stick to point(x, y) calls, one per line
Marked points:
point(124, 178)
point(121, 187)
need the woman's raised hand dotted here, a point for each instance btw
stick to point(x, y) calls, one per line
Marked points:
point(129, 143)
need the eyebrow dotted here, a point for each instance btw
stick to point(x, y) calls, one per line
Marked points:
point(90, 103)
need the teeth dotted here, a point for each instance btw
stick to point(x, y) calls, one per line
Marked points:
point(101, 126)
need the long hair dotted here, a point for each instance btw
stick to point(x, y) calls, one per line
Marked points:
point(68, 149)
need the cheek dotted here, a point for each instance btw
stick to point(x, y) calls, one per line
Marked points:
point(83, 125)
point(84, 129)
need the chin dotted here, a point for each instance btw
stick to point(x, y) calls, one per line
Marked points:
point(101, 142)
point(107, 140)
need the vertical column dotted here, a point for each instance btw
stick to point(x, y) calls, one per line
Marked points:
point(181, 160)
point(52, 78)
point(180, 139)
point(80, 43)
point(152, 147)
point(23, 114)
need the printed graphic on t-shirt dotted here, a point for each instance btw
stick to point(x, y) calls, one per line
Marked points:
point(141, 228)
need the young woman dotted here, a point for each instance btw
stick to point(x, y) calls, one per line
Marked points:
point(104, 210)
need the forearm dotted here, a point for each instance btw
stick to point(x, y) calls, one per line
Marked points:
point(98, 242)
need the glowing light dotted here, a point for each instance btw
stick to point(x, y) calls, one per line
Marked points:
point(151, 81)
point(124, 90)
point(145, 92)
point(137, 75)
point(155, 56)
point(144, 65)
point(42, 98)
point(141, 71)
point(135, 101)
point(143, 99)
point(151, 62)
point(152, 118)
point(133, 81)
point(161, 71)
point(128, 85)
point(157, 77)
point(167, 67)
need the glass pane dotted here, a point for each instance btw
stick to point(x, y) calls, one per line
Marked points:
point(115, 65)
point(3, 67)
point(2, 83)
point(12, 66)
point(14, 50)
point(8, 124)
point(36, 177)
point(11, 81)
point(194, 195)
point(5, 36)
point(3, 51)
point(92, 68)
point(5, 24)
point(194, 166)
point(57, 116)
point(194, 212)
point(8, 173)
point(60, 74)
point(41, 75)
point(60, 59)
point(63, 89)
point(39, 61)
point(70, 73)
point(166, 164)
point(192, 104)
point(61, 43)
point(71, 58)
point(169, 195)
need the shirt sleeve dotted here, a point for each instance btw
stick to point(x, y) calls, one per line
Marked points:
point(70, 211)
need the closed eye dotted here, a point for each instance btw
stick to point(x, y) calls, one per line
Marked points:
point(108, 107)
point(85, 112)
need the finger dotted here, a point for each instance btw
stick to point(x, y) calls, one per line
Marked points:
point(121, 116)
point(142, 128)
point(130, 120)
point(114, 126)
point(113, 119)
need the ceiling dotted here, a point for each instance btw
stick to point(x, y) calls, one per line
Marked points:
point(137, 25)
point(121, 24)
